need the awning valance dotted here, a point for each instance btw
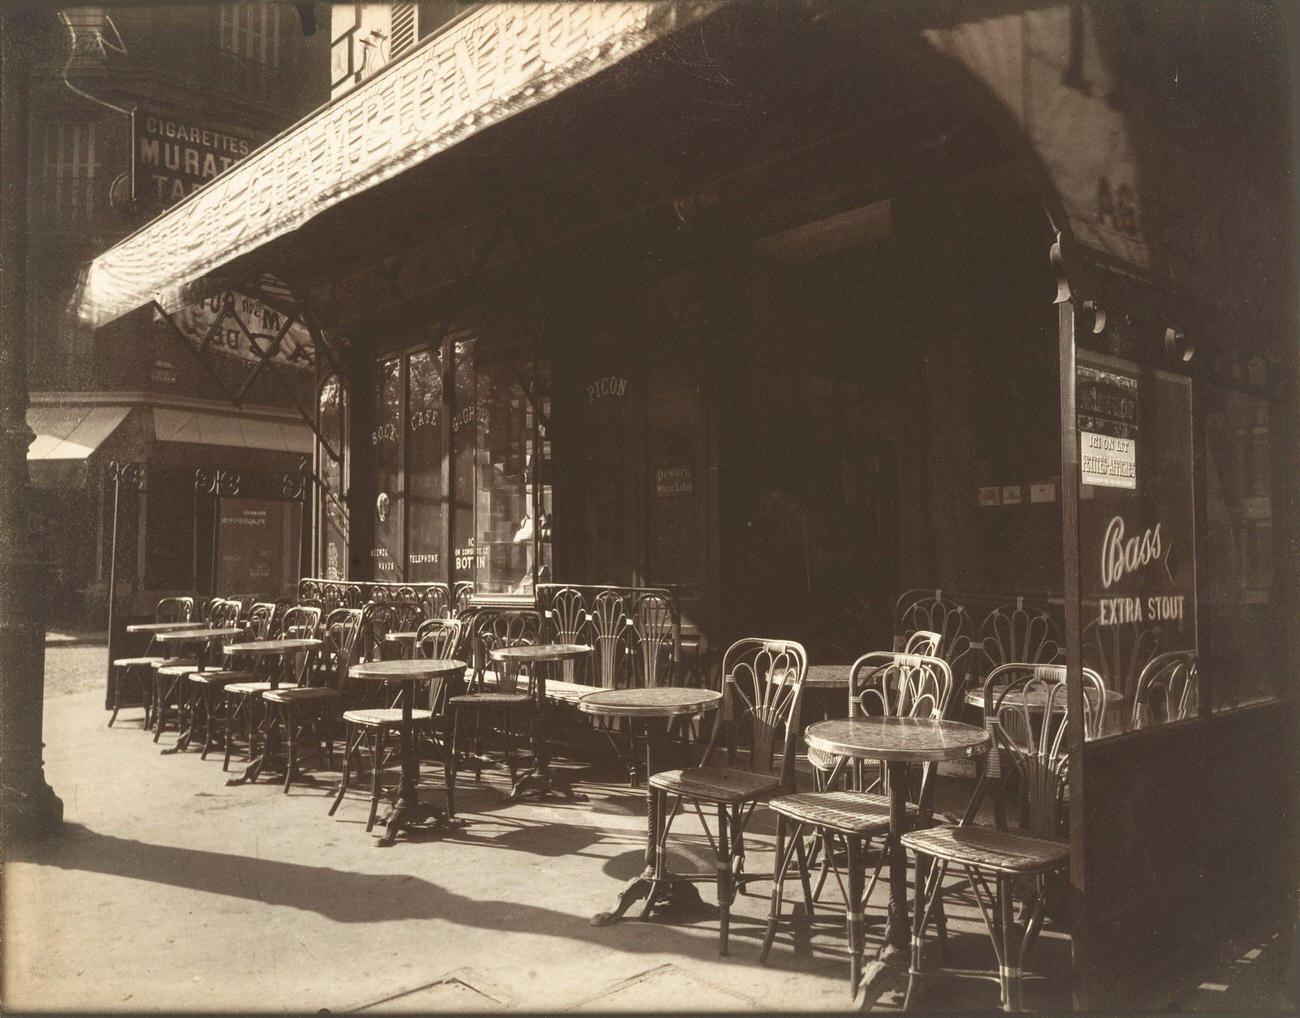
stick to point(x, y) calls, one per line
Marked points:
point(200, 428)
point(498, 61)
point(72, 432)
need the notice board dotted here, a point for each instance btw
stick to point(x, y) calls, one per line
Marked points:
point(257, 545)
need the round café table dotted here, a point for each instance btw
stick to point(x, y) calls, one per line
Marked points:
point(539, 778)
point(406, 810)
point(161, 627)
point(283, 649)
point(201, 637)
point(1036, 701)
point(650, 706)
point(898, 741)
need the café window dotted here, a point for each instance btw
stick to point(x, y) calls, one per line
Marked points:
point(426, 498)
point(502, 498)
point(387, 440)
point(168, 532)
point(1244, 626)
point(332, 469)
point(1137, 539)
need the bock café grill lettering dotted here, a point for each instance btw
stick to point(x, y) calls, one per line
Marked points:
point(174, 158)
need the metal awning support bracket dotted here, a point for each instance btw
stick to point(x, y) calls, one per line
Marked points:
point(197, 353)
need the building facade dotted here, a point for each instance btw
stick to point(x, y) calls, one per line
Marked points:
point(132, 109)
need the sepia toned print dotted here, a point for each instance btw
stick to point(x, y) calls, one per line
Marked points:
point(649, 505)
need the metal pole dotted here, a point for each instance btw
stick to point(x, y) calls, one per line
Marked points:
point(112, 573)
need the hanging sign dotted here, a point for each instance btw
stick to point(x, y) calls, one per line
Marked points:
point(1107, 415)
point(295, 350)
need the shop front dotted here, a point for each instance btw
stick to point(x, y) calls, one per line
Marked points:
point(805, 318)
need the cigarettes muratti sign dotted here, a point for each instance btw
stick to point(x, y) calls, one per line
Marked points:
point(174, 157)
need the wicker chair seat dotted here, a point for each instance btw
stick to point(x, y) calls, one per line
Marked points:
point(492, 699)
point(248, 688)
point(858, 813)
point(177, 668)
point(222, 676)
point(989, 848)
point(384, 717)
point(716, 784)
point(131, 662)
point(300, 694)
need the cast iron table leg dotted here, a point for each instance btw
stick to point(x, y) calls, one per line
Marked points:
point(654, 884)
point(539, 778)
point(184, 694)
point(895, 947)
point(406, 810)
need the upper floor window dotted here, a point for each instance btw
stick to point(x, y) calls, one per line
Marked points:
point(249, 54)
point(250, 31)
point(66, 164)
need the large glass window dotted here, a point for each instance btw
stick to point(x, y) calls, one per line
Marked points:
point(332, 470)
point(1243, 628)
point(426, 534)
point(386, 442)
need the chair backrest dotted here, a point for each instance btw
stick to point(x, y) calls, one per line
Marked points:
point(175, 609)
point(436, 602)
point(300, 622)
point(1019, 632)
point(1031, 717)
point(923, 641)
point(508, 629)
point(224, 613)
point(1167, 690)
point(1120, 652)
point(890, 684)
point(930, 611)
point(341, 649)
point(764, 679)
point(260, 618)
point(1096, 703)
point(439, 639)
point(658, 632)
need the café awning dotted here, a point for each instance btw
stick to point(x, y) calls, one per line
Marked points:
point(71, 432)
point(202, 428)
point(498, 61)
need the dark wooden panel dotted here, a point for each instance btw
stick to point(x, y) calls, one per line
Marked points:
point(1189, 841)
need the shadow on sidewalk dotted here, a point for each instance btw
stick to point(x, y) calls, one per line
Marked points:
point(351, 897)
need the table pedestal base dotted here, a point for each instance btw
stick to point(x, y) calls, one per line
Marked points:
point(668, 894)
point(412, 816)
point(543, 783)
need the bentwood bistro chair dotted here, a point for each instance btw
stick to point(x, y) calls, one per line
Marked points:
point(138, 670)
point(764, 679)
point(295, 709)
point(881, 684)
point(434, 639)
point(171, 685)
point(243, 699)
point(1030, 720)
point(207, 687)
